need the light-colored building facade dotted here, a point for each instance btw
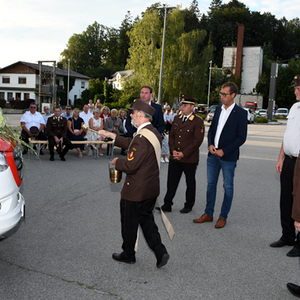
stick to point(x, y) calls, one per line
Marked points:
point(20, 81)
point(118, 78)
point(252, 61)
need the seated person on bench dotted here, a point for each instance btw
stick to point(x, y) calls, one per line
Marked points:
point(32, 124)
point(75, 132)
point(57, 134)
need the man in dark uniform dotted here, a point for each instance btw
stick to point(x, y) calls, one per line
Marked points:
point(57, 134)
point(158, 117)
point(141, 186)
point(185, 138)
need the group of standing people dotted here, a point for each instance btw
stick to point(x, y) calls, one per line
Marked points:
point(141, 187)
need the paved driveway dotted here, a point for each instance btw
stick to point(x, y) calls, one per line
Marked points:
point(63, 248)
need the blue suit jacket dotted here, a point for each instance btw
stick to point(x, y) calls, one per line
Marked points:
point(233, 135)
point(157, 120)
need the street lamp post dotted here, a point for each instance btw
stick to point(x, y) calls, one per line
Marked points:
point(68, 87)
point(209, 81)
point(163, 49)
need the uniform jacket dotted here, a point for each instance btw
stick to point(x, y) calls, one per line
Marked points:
point(141, 168)
point(296, 192)
point(233, 135)
point(187, 137)
point(157, 120)
point(57, 128)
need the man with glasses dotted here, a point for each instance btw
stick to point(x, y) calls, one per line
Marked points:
point(32, 124)
point(68, 112)
point(226, 135)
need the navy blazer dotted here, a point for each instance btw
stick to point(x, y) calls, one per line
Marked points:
point(157, 120)
point(233, 135)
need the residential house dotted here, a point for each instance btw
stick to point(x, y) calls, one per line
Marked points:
point(20, 81)
point(118, 78)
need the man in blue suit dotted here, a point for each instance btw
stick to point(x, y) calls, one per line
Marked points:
point(227, 133)
point(158, 117)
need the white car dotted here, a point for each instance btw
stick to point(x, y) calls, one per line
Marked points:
point(12, 202)
point(283, 112)
point(263, 113)
point(250, 115)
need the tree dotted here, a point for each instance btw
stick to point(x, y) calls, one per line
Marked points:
point(185, 55)
point(87, 50)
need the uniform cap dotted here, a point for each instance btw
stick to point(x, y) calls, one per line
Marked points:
point(143, 106)
point(296, 81)
point(186, 99)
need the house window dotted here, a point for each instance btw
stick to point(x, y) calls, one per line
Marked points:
point(26, 96)
point(10, 96)
point(18, 96)
point(82, 84)
point(5, 79)
point(22, 80)
point(1, 95)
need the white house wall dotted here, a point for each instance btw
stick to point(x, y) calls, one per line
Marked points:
point(78, 89)
point(251, 68)
point(17, 87)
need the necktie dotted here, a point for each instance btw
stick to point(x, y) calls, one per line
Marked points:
point(184, 119)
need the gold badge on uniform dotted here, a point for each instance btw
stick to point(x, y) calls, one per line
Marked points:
point(130, 156)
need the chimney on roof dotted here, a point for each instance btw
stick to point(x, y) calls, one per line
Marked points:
point(239, 52)
point(60, 65)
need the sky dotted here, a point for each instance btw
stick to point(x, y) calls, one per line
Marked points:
point(36, 30)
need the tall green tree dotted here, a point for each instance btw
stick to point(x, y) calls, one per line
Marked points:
point(185, 55)
point(86, 50)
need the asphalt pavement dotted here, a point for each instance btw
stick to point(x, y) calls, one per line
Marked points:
point(63, 248)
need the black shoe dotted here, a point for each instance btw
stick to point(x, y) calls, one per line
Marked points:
point(120, 257)
point(24, 152)
point(52, 158)
point(185, 210)
point(163, 260)
point(164, 209)
point(41, 152)
point(62, 158)
point(294, 252)
point(294, 289)
point(281, 243)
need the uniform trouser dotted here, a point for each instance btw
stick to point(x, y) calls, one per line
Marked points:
point(175, 170)
point(25, 137)
point(286, 199)
point(68, 145)
point(134, 214)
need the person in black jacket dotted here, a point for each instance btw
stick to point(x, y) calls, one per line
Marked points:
point(158, 117)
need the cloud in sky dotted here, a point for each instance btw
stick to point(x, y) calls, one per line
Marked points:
point(36, 30)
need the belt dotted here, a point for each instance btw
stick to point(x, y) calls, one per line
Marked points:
point(292, 157)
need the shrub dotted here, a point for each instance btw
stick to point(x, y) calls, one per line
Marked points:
point(18, 104)
point(262, 120)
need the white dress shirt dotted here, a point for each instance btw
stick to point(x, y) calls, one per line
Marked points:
point(30, 119)
point(291, 138)
point(222, 120)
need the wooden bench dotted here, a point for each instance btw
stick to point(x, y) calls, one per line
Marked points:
point(40, 144)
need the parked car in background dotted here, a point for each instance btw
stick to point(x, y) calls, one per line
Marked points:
point(250, 115)
point(210, 115)
point(263, 113)
point(12, 203)
point(283, 112)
